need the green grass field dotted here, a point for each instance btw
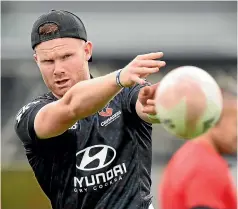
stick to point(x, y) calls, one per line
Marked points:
point(21, 191)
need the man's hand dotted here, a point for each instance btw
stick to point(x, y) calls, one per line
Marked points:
point(145, 106)
point(146, 98)
point(141, 67)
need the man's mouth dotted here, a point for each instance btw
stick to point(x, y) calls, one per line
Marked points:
point(61, 82)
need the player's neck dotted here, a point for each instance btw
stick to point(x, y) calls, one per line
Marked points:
point(208, 142)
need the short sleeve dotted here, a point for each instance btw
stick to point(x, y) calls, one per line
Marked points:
point(24, 121)
point(206, 188)
point(130, 96)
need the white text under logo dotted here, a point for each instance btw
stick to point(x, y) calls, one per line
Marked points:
point(92, 159)
point(111, 119)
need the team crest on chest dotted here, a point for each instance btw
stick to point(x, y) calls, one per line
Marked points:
point(109, 114)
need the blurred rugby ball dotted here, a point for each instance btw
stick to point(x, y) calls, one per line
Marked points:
point(188, 102)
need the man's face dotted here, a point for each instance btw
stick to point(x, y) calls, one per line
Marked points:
point(226, 130)
point(63, 62)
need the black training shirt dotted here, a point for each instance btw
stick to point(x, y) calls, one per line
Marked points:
point(101, 162)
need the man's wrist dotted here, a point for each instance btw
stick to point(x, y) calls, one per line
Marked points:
point(118, 81)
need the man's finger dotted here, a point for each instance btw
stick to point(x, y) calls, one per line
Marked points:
point(149, 110)
point(150, 102)
point(145, 70)
point(155, 86)
point(145, 91)
point(150, 63)
point(153, 89)
point(144, 95)
point(150, 56)
point(138, 80)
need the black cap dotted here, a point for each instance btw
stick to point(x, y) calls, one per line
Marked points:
point(69, 25)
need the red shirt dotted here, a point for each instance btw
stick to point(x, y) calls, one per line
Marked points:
point(197, 176)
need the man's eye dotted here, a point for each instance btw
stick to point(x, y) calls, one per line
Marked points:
point(66, 56)
point(48, 61)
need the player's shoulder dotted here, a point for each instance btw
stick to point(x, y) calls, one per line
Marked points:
point(40, 100)
point(44, 98)
point(186, 157)
point(198, 157)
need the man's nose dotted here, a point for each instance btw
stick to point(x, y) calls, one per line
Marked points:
point(59, 69)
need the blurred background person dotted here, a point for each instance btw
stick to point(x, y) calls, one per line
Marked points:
point(189, 33)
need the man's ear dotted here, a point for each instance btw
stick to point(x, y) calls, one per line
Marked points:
point(36, 59)
point(88, 50)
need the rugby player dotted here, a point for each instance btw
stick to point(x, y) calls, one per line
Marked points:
point(88, 140)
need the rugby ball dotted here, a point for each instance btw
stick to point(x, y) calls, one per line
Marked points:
point(188, 102)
